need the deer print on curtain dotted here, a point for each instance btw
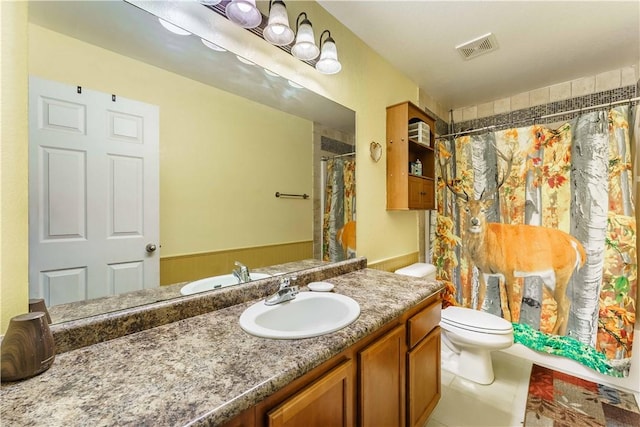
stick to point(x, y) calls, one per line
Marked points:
point(537, 225)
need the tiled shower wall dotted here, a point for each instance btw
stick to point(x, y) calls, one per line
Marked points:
point(615, 85)
point(618, 84)
point(529, 115)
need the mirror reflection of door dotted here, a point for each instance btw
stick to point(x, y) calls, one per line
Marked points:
point(93, 193)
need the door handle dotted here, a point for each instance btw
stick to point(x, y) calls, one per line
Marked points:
point(150, 247)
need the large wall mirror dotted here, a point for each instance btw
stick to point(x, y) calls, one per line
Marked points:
point(231, 135)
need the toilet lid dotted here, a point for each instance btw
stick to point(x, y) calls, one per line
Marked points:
point(475, 320)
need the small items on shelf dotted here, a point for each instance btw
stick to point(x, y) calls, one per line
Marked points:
point(415, 168)
point(420, 132)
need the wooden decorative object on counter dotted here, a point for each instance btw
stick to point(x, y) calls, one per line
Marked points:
point(39, 305)
point(28, 348)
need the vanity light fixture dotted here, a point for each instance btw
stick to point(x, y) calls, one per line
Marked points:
point(244, 13)
point(173, 28)
point(328, 62)
point(278, 32)
point(213, 46)
point(305, 47)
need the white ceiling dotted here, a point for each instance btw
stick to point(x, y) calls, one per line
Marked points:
point(541, 43)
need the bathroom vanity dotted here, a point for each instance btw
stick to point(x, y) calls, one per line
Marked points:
point(205, 370)
point(390, 378)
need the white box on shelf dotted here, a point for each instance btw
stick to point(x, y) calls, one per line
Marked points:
point(420, 132)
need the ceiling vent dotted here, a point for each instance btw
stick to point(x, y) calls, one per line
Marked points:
point(476, 47)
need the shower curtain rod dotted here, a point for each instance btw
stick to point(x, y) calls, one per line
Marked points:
point(338, 155)
point(535, 119)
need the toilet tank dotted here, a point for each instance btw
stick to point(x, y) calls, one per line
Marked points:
point(419, 269)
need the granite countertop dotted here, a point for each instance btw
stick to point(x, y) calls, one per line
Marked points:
point(202, 370)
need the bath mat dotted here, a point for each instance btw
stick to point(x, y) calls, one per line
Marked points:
point(557, 399)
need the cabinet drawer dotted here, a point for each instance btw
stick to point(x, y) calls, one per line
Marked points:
point(422, 323)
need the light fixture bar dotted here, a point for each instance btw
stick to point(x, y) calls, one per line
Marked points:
point(220, 10)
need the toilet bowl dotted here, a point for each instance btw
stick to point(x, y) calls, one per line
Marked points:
point(468, 337)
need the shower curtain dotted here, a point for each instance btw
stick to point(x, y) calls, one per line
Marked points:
point(339, 216)
point(573, 183)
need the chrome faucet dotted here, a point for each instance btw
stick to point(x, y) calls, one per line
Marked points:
point(286, 292)
point(241, 273)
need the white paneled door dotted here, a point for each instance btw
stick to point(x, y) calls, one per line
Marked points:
point(93, 193)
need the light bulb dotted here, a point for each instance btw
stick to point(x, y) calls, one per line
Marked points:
point(244, 13)
point(305, 48)
point(277, 31)
point(328, 62)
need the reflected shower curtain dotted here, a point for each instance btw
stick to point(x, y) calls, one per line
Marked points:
point(572, 180)
point(339, 216)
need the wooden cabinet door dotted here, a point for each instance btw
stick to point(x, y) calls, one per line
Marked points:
point(382, 385)
point(415, 192)
point(423, 378)
point(429, 201)
point(421, 194)
point(326, 402)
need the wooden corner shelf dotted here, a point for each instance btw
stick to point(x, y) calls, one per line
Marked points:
point(405, 190)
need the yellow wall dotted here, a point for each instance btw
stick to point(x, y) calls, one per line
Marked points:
point(367, 84)
point(14, 251)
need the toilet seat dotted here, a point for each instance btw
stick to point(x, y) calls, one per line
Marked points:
point(475, 321)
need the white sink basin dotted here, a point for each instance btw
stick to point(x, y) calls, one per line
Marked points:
point(216, 282)
point(310, 314)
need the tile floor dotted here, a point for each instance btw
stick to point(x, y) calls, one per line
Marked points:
point(501, 404)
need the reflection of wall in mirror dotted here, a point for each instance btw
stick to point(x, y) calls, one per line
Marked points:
point(222, 157)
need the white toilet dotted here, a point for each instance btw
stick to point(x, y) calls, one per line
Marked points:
point(468, 337)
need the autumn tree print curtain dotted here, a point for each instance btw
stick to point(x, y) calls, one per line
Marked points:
point(575, 182)
point(339, 216)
